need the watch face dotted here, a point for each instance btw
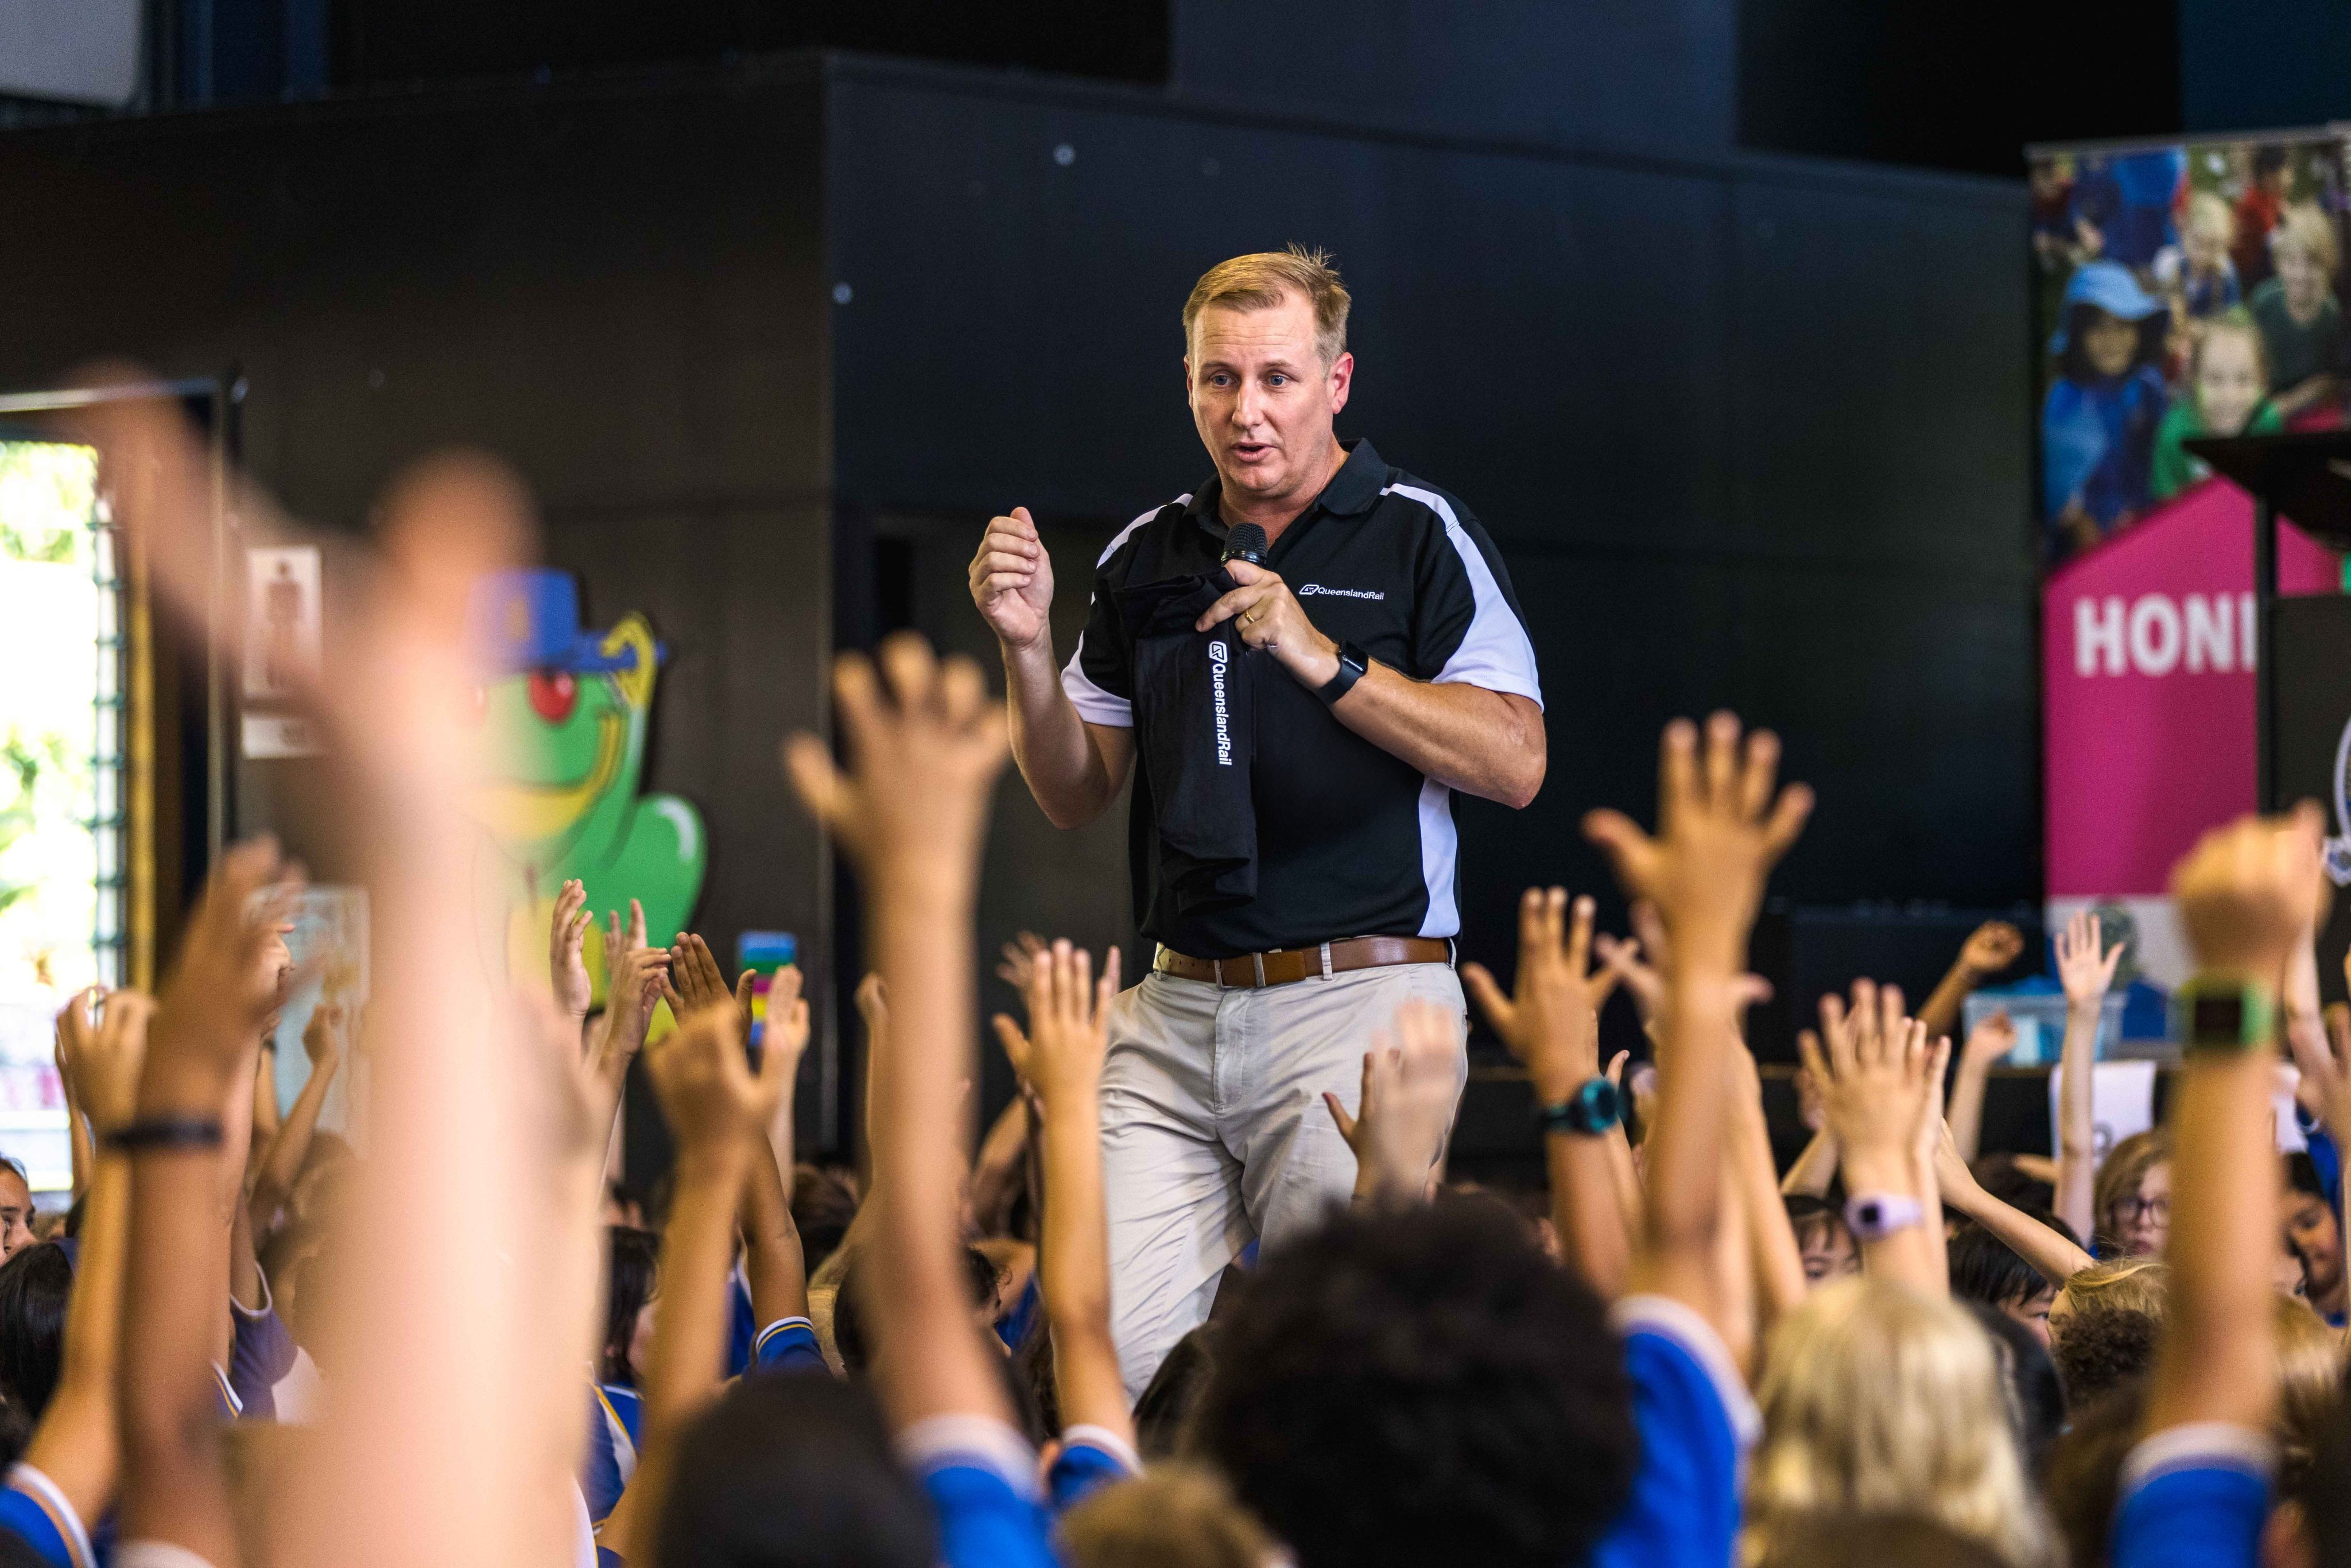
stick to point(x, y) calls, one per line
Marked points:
point(2218, 1018)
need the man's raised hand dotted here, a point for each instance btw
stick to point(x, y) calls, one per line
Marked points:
point(1061, 1054)
point(1721, 825)
point(1551, 1023)
point(1408, 1095)
point(1012, 581)
point(926, 744)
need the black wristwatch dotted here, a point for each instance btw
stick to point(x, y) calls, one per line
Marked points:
point(1352, 663)
point(1594, 1107)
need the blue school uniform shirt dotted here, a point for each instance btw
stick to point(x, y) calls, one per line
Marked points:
point(615, 1428)
point(789, 1345)
point(260, 1356)
point(1696, 1422)
point(2098, 443)
point(1092, 1457)
point(36, 1512)
point(981, 1478)
point(2194, 1497)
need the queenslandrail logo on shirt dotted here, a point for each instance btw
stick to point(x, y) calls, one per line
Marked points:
point(1218, 657)
point(1307, 590)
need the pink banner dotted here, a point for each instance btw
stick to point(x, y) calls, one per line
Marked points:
point(2147, 670)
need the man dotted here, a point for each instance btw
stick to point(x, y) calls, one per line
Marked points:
point(1411, 676)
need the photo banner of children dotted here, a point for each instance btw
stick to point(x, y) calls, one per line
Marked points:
point(2180, 290)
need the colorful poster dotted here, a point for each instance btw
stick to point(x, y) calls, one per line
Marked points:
point(2147, 648)
point(2180, 290)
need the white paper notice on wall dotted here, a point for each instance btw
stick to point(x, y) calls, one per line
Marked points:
point(282, 620)
point(266, 736)
point(83, 51)
point(2122, 1102)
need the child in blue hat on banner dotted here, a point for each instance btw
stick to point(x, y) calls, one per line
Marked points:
point(2098, 422)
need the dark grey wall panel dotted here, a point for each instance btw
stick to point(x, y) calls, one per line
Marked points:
point(1645, 73)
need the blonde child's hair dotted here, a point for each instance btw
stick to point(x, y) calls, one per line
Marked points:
point(2304, 226)
point(2310, 1377)
point(1173, 1516)
point(2125, 1284)
point(1879, 1400)
point(2239, 322)
point(2206, 210)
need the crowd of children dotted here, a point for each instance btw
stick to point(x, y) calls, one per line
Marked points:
point(2198, 294)
point(260, 1344)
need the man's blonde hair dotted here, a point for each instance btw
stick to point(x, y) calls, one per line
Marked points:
point(1261, 279)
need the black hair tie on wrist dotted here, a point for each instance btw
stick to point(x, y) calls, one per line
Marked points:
point(165, 1132)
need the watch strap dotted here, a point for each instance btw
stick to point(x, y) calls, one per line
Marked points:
point(1875, 1215)
point(1595, 1106)
point(2218, 1015)
point(1353, 664)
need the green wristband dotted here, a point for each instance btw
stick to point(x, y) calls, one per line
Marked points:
point(2218, 1016)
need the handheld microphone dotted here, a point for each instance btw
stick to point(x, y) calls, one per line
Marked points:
point(1245, 542)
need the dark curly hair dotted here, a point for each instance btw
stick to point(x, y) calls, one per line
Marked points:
point(2082, 1479)
point(2102, 1348)
point(1422, 1385)
point(1986, 1269)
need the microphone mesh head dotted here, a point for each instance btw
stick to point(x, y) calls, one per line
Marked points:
point(1246, 538)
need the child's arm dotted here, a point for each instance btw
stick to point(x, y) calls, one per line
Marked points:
point(1552, 1026)
point(76, 1445)
point(174, 1488)
point(2244, 894)
point(1060, 1059)
point(322, 1043)
point(774, 1264)
point(1874, 1070)
point(2085, 970)
point(911, 812)
point(1990, 948)
point(2052, 1256)
point(1987, 1044)
point(1721, 825)
point(718, 1109)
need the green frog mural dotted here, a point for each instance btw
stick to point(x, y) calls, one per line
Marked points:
point(568, 709)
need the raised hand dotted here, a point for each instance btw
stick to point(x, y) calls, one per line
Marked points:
point(694, 981)
point(873, 1005)
point(1012, 581)
point(1990, 1042)
point(1992, 947)
point(1640, 961)
point(1721, 826)
point(1551, 1021)
point(2247, 892)
point(2085, 967)
point(635, 980)
point(1406, 1103)
point(225, 985)
point(787, 1024)
point(566, 963)
point(1019, 955)
point(925, 745)
point(1874, 1071)
point(322, 1037)
point(619, 938)
point(715, 1103)
point(1060, 1056)
point(101, 1043)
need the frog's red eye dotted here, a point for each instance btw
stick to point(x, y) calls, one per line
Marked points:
point(552, 695)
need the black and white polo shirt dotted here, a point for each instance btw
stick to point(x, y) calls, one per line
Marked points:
point(1352, 841)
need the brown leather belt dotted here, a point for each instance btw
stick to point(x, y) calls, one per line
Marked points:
point(1291, 965)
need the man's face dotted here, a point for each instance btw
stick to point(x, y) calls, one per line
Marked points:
point(1263, 400)
point(2318, 1241)
point(15, 1214)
